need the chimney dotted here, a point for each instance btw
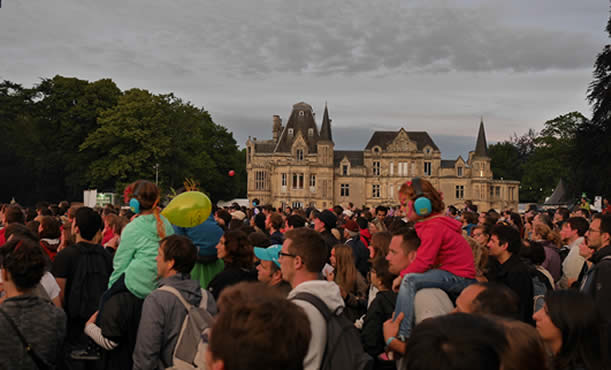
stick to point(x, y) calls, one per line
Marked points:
point(277, 128)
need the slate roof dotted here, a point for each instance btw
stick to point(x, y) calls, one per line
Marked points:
point(384, 138)
point(355, 157)
point(325, 128)
point(481, 148)
point(299, 123)
point(445, 163)
point(265, 146)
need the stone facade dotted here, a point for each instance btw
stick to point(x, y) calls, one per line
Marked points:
point(300, 167)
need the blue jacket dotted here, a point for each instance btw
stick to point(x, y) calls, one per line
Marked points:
point(205, 236)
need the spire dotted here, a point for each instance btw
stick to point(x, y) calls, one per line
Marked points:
point(325, 129)
point(481, 148)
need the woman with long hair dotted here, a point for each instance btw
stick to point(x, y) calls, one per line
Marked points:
point(351, 283)
point(551, 243)
point(237, 254)
point(573, 331)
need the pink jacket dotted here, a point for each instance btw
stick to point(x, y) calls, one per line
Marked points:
point(442, 247)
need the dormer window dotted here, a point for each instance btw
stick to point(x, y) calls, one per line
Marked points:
point(290, 132)
point(299, 154)
point(459, 171)
point(301, 113)
point(377, 149)
point(310, 132)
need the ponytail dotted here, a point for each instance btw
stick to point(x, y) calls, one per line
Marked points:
point(160, 226)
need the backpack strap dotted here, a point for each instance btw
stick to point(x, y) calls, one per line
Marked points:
point(316, 302)
point(39, 362)
point(204, 302)
point(174, 291)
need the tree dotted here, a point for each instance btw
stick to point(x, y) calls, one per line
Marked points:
point(506, 162)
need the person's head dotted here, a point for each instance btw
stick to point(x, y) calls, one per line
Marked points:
point(411, 191)
point(582, 212)
point(381, 277)
point(495, 299)
point(295, 221)
point(49, 228)
point(144, 198)
point(345, 269)
point(222, 217)
point(351, 229)
point(516, 221)
point(469, 218)
point(402, 249)
point(268, 270)
point(325, 220)
point(14, 214)
point(481, 234)
point(88, 224)
point(525, 349)
point(271, 332)
point(259, 221)
point(504, 242)
point(571, 325)
point(379, 244)
point(533, 252)
point(464, 301)
point(23, 264)
point(235, 249)
point(303, 255)
point(116, 223)
point(573, 228)
point(480, 255)
point(455, 342)
point(599, 233)
point(19, 231)
point(275, 221)
point(562, 214)
point(176, 254)
point(544, 232)
point(338, 210)
point(381, 212)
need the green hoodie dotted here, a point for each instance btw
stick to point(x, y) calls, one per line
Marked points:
point(136, 254)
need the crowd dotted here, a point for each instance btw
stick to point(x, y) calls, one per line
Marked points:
point(417, 286)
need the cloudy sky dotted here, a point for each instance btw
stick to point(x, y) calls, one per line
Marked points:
point(426, 65)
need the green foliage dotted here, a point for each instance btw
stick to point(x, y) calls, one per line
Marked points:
point(65, 134)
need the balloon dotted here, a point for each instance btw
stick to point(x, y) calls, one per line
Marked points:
point(188, 209)
point(231, 173)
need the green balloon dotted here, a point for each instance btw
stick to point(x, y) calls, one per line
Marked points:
point(188, 209)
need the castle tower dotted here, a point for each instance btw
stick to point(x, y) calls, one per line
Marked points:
point(325, 142)
point(479, 159)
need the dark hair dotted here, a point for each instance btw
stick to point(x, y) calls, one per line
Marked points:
point(338, 210)
point(259, 239)
point(470, 217)
point(271, 332)
point(238, 248)
point(455, 342)
point(453, 211)
point(380, 242)
point(295, 221)
point(275, 221)
point(381, 209)
point(310, 246)
point(409, 239)
point(19, 231)
point(14, 214)
point(50, 228)
point(564, 212)
point(88, 222)
point(380, 267)
point(585, 212)
point(260, 221)
point(362, 222)
point(534, 252)
point(496, 299)
point(605, 223)
point(578, 223)
point(517, 220)
point(224, 215)
point(33, 225)
point(525, 349)
point(509, 235)
point(584, 336)
point(25, 261)
point(180, 249)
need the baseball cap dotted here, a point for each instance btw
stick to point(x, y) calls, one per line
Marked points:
point(269, 254)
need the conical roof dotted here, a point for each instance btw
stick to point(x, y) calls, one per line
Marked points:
point(325, 129)
point(481, 148)
point(560, 195)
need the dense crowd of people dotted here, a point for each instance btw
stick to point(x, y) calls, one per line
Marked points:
point(416, 286)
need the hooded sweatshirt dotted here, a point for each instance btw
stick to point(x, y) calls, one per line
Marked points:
point(329, 293)
point(161, 321)
point(443, 247)
point(136, 254)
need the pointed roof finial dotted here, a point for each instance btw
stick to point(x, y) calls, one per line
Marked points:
point(325, 129)
point(481, 148)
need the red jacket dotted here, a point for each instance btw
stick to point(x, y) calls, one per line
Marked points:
point(443, 247)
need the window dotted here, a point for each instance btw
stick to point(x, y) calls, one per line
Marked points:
point(297, 204)
point(405, 168)
point(284, 180)
point(459, 171)
point(260, 180)
point(298, 181)
point(310, 132)
point(427, 169)
point(312, 181)
point(391, 168)
point(290, 132)
point(344, 190)
point(413, 168)
point(301, 113)
point(249, 152)
point(460, 192)
point(491, 192)
point(497, 191)
point(391, 195)
point(345, 170)
point(511, 193)
point(376, 168)
point(300, 154)
point(375, 191)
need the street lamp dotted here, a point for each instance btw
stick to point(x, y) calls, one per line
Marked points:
point(156, 167)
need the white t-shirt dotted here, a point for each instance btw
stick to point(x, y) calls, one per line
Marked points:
point(48, 282)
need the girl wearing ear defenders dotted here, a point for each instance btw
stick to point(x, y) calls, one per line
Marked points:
point(134, 261)
point(444, 258)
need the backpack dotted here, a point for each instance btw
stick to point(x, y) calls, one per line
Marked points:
point(89, 282)
point(541, 285)
point(344, 349)
point(191, 346)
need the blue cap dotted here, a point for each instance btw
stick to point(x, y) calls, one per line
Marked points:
point(269, 253)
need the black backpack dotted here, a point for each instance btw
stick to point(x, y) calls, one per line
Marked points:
point(89, 282)
point(344, 349)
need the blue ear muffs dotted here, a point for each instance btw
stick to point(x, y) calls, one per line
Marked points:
point(134, 204)
point(422, 205)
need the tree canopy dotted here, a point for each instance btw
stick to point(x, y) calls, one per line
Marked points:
point(64, 135)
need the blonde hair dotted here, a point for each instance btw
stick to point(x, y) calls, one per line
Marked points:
point(547, 234)
point(480, 256)
point(345, 269)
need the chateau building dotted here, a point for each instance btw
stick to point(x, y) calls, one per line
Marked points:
point(300, 167)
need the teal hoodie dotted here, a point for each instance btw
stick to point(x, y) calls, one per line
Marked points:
point(136, 254)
